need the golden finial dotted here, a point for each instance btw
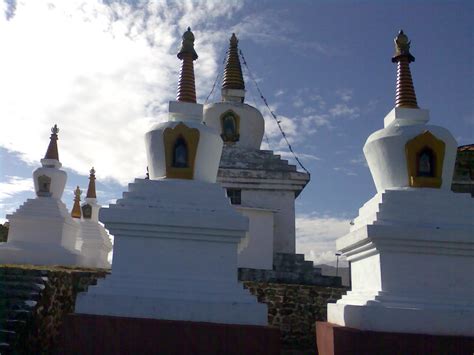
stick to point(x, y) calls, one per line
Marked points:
point(187, 54)
point(52, 151)
point(405, 91)
point(91, 188)
point(76, 209)
point(233, 78)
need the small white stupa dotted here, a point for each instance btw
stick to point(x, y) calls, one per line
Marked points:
point(95, 244)
point(175, 234)
point(41, 231)
point(260, 185)
point(411, 248)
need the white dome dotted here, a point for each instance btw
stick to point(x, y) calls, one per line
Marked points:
point(206, 155)
point(250, 123)
point(385, 149)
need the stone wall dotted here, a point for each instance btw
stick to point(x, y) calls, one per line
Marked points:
point(33, 302)
point(295, 309)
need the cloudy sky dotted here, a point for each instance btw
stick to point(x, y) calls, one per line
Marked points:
point(104, 71)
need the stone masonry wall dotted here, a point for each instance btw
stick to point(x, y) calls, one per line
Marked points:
point(33, 302)
point(295, 309)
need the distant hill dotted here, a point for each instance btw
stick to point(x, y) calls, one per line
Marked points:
point(331, 271)
point(3, 233)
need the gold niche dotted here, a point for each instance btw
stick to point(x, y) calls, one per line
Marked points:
point(186, 140)
point(230, 127)
point(425, 157)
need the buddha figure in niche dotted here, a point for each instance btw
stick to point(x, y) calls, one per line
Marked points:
point(229, 128)
point(180, 153)
point(426, 163)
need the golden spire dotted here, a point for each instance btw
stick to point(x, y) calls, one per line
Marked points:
point(76, 209)
point(91, 188)
point(233, 78)
point(52, 152)
point(187, 54)
point(405, 94)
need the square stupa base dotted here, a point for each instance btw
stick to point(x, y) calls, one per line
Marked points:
point(334, 339)
point(97, 334)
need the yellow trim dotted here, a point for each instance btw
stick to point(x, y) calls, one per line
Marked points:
point(191, 136)
point(237, 126)
point(413, 148)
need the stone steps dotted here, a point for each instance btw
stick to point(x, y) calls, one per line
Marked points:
point(20, 291)
point(290, 269)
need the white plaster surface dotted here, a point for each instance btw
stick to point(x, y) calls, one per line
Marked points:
point(283, 205)
point(258, 251)
point(175, 256)
point(411, 252)
point(94, 241)
point(385, 149)
point(267, 182)
point(252, 124)
point(208, 151)
point(50, 168)
point(41, 233)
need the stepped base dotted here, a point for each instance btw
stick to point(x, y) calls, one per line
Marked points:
point(91, 334)
point(290, 269)
point(443, 319)
point(338, 340)
point(39, 254)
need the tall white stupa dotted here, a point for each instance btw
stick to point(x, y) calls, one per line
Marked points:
point(259, 184)
point(42, 232)
point(411, 248)
point(175, 234)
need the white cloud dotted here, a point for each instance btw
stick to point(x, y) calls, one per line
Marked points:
point(316, 236)
point(102, 72)
point(13, 186)
point(360, 160)
point(345, 94)
point(346, 171)
point(343, 109)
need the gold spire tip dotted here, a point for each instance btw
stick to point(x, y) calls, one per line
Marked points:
point(187, 54)
point(52, 151)
point(76, 208)
point(402, 48)
point(233, 78)
point(91, 193)
point(405, 96)
point(187, 45)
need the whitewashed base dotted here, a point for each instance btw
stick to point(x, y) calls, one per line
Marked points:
point(42, 233)
point(412, 256)
point(173, 300)
point(175, 257)
point(433, 321)
point(95, 244)
point(38, 254)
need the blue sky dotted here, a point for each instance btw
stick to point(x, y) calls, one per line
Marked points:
point(104, 72)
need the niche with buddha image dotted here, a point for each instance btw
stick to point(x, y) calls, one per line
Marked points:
point(230, 126)
point(425, 157)
point(181, 144)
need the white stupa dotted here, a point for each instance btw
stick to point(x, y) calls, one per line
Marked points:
point(260, 185)
point(93, 241)
point(41, 231)
point(412, 246)
point(175, 234)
